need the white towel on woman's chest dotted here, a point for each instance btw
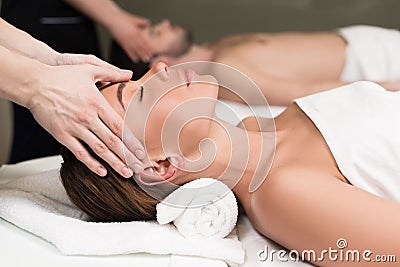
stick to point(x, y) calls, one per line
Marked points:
point(361, 124)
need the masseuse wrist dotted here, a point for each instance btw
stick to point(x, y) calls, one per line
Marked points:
point(38, 50)
point(46, 54)
point(34, 84)
point(20, 76)
point(115, 20)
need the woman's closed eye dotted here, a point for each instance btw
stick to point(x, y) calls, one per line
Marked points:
point(120, 91)
point(141, 90)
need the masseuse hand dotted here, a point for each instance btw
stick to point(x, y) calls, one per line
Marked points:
point(54, 58)
point(127, 30)
point(69, 106)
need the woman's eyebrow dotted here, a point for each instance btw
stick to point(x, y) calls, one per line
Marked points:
point(121, 87)
point(104, 86)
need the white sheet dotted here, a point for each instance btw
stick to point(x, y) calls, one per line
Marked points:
point(17, 247)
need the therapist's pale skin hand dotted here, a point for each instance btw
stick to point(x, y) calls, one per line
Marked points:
point(58, 59)
point(63, 97)
point(77, 59)
point(127, 30)
point(68, 104)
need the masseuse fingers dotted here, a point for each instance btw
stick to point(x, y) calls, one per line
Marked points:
point(83, 155)
point(132, 54)
point(139, 52)
point(134, 152)
point(138, 157)
point(119, 149)
point(101, 74)
point(143, 49)
point(102, 150)
point(93, 60)
point(78, 59)
point(109, 129)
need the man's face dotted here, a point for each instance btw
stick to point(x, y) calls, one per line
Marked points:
point(169, 39)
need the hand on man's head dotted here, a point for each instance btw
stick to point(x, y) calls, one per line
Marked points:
point(128, 31)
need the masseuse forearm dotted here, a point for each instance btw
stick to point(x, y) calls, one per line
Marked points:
point(105, 12)
point(19, 76)
point(23, 43)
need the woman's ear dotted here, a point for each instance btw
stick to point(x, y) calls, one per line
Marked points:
point(164, 170)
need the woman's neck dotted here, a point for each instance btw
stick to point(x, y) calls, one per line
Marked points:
point(242, 159)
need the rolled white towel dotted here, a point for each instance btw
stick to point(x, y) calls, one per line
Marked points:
point(202, 208)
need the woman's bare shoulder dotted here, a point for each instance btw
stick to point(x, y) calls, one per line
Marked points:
point(282, 181)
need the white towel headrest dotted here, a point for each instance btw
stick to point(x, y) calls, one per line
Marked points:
point(202, 208)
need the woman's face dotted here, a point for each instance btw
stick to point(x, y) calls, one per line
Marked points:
point(169, 111)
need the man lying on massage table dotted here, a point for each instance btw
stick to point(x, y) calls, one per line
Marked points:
point(289, 65)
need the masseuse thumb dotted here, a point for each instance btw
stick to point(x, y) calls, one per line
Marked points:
point(101, 74)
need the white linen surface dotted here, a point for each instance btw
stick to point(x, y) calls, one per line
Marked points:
point(251, 240)
point(39, 205)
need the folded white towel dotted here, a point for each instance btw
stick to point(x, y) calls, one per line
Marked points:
point(372, 54)
point(40, 205)
point(202, 208)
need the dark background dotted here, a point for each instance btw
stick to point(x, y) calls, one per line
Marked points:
point(211, 19)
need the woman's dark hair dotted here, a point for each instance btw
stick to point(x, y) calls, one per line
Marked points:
point(105, 199)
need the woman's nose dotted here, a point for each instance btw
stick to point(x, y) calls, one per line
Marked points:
point(160, 68)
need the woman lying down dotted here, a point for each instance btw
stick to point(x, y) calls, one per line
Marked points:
point(334, 173)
